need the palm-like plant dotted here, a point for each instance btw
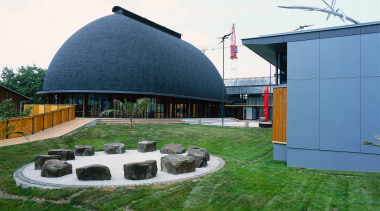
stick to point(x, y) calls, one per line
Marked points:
point(128, 108)
point(8, 130)
point(372, 143)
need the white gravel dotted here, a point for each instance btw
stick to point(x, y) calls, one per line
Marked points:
point(115, 163)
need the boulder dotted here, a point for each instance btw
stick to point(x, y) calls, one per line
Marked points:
point(262, 119)
point(81, 150)
point(39, 160)
point(203, 149)
point(56, 168)
point(265, 124)
point(66, 154)
point(199, 157)
point(140, 170)
point(93, 172)
point(177, 164)
point(114, 148)
point(173, 149)
point(147, 146)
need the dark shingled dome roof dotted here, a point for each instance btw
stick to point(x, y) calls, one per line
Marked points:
point(119, 54)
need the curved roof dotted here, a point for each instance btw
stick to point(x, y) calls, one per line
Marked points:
point(119, 54)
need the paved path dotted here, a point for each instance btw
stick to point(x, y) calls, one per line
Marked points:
point(53, 132)
point(230, 122)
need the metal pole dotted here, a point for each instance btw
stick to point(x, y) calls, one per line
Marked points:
point(270, 76)
point(223, 38)
point(223, 86)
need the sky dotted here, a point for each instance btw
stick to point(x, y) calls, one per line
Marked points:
point(32, 31)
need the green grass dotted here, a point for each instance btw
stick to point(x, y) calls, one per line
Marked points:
point(250, 180)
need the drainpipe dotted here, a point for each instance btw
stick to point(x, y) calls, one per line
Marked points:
point(21, 102)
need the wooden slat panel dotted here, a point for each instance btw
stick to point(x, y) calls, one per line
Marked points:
point(38, 123)
point(279, 115)
point(42, 121)
point(72, 112)
point(65, 113)
point(48, 120)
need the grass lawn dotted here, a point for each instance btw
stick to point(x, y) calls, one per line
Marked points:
point(250, 180)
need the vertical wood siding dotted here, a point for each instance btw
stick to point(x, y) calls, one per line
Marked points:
point(279, 115)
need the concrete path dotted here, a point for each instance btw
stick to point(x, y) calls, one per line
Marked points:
point(230, 122)
point(53, 132)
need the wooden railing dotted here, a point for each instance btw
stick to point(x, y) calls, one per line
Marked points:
point(42, 117)
point(279, 115)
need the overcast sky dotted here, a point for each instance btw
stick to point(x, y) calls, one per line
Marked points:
point(32, 31)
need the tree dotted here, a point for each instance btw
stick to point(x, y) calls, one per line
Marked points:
point(372, 143)
point(7, 110)
point(129, 109)
point(27, 81)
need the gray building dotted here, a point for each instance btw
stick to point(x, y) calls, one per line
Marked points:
point(332, 79)
point(246, 97)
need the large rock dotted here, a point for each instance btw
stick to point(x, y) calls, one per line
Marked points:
point(140, 170)
point(39, 160)
point(147, 146)
point(56, 168)
point(93, 172)
point(177, 164)
point(203, 149)
point(199, 157)
point(114, 148)
point(173, 149)
point(262, 119)
point(66, 154)
point(81, 150)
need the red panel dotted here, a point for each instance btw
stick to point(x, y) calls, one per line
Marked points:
point(266, 103)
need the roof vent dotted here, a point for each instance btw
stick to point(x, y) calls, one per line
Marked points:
point(122, 11)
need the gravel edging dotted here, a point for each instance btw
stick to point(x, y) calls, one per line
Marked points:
point(25, 182)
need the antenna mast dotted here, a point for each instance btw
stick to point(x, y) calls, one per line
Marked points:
point(233, 46)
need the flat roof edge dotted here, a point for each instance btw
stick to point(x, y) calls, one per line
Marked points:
point(337, 31)
point(124, 92)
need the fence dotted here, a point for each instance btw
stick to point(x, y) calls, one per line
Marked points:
point(279, 115)
point(42, 117)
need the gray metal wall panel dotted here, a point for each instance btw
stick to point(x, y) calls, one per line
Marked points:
point(339, 32)
point(303, 114)
point(266, 40)
point(303, 60)
point(340, 114)
point(370, 54)
point(301, 37)
point(370, 112)
point(227, 82)
point(331, 160)
point(370, 29)
point(340, 57)
point(279, 152)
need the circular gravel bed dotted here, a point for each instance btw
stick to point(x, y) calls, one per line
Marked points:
point(27, 176)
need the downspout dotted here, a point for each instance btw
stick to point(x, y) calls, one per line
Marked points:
point(21, 102)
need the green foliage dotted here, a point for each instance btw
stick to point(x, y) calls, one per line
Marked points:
point(27, 81)
point(377, 138)
point(250, 180)
point(7, 110)
point(130, 109)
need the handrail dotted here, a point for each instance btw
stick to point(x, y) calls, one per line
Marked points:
point(40, 121)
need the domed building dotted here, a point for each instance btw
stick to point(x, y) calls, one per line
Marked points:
point(124, 55)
